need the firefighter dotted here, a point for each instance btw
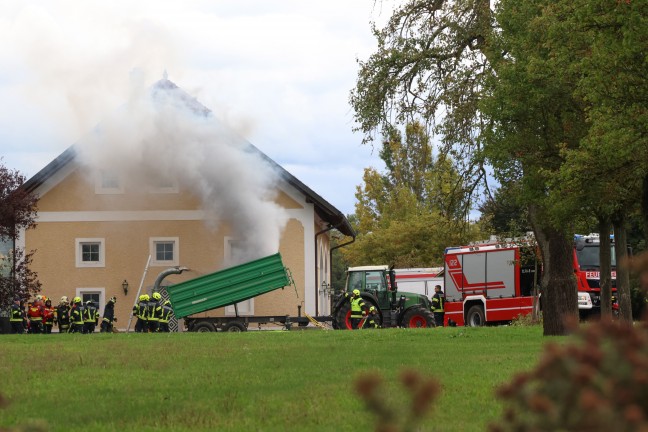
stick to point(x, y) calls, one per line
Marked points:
point(154, 311)
point(35, 316)
point(139, 310)
point(17, 317)
point(62, 315)
point(108, 316)
point(437, 306)
point(167, 312)
point(90, 317)
point(373, 319)
point(48, 316)
point(76, 316)
point(357, 309)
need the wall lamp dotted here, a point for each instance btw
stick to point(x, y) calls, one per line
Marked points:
point(125, 287)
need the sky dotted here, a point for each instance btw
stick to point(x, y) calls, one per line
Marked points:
point(278, 72)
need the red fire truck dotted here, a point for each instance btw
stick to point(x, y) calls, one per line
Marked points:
point(493, 282)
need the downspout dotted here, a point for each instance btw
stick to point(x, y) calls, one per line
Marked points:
point(337, 247)
point(329, 228)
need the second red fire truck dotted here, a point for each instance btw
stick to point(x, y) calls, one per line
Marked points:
point(494, 282)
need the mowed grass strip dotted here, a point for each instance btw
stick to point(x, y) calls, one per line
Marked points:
point(254, 381)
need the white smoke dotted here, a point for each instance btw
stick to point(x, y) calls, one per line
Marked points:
point(163, 133)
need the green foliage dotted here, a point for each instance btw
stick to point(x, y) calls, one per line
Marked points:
point(408, 215)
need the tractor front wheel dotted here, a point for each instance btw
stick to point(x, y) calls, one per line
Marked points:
point(418, 317)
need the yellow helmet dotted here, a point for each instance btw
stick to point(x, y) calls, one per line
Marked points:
point(356, 292)
point(77, 300)
point(157, 296)
point(371, 309)
point(142, 297)
point(146, 297)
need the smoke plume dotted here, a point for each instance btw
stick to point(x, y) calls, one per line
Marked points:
point(162, 133)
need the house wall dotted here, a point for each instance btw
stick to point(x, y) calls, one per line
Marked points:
point(69, 209)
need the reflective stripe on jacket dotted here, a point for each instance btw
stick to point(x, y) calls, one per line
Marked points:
point(437, 303)
point(356, 307)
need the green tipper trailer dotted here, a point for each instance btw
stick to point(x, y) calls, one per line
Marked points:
point(228, 287)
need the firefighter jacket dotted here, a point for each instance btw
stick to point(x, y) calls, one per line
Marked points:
point(109, 312)
point(35, 313)
point(140, 309)
point(90, 314)
point(167, 311)
point(373, 320)
point(153, 310)
point(437, 302)
point(357, 306)
point(62, 314)
point(48, 314)
point(17, 313)
point(76, 314)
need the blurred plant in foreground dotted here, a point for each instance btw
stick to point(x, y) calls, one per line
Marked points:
point(390, 415)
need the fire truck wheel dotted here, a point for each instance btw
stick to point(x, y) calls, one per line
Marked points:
point(475, 316)
point(418, 317)
point(204, 327)
point(343, 317)
point(234, 326)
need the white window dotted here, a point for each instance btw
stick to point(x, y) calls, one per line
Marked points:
point(232, 254)
point(108, 182)
point(97, 296)
point(164, 185)
point(90, 252)
point(164, 251)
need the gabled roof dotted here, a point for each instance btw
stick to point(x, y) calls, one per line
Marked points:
point(323, 208)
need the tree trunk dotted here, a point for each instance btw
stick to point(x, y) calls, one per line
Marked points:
point(605, 257)
point(622, 271)
point(644, 207)
point(559, 298)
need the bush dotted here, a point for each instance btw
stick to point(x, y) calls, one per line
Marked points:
point(599, 382)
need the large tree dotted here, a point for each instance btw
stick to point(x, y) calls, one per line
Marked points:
point(408, 214)
point(438, 60)
point(17, 213)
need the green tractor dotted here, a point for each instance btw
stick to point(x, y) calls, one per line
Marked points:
point(377, 286)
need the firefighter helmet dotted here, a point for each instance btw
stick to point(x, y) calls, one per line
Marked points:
point(356, 292)
point(157, 296)
point(77, 300)
point(146, 297)
point(371, 309)
point(89, 302)
point(142, 297)
point(64, 299)
point(113, 299)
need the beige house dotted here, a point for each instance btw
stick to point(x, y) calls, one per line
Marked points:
point(96, 231)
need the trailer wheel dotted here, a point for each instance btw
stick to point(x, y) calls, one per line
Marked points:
point(418, 317)
point(343, 317)
point(204, 327)
point(475, 316)
point(235, 327)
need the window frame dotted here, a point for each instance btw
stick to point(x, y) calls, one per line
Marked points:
point(100, 189)
point(79, 242)
point(153, 241)
point(246, 307)
point(93, 290)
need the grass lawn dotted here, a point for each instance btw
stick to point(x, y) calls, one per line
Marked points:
point(254, 381)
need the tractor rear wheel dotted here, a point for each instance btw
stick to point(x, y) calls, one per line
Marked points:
point(343, 317)
point(418, 317)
